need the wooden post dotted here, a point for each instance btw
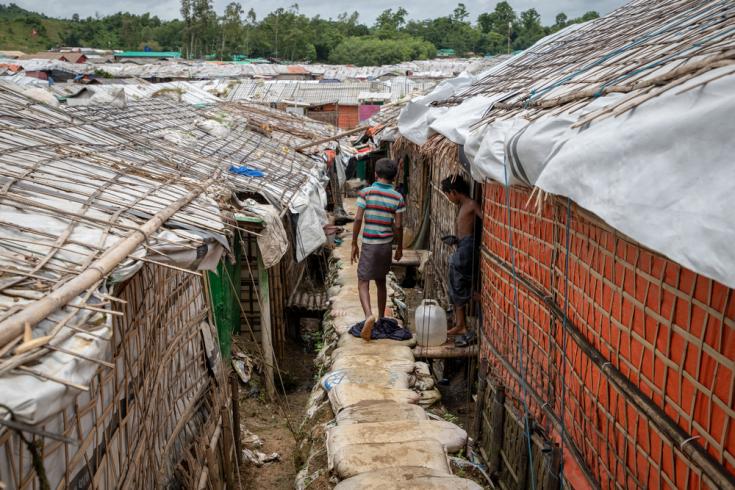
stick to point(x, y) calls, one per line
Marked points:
point(480, 405)
point(497, 419)
point(236, 417)
point(266, 332)
point(228, 459)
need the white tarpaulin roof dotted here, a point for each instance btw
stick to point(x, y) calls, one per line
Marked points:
point(630, 115)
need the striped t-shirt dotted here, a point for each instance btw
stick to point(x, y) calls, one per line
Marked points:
point(381, 202)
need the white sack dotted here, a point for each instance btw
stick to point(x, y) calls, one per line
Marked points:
point(382, 377)
point(372, 362)
point(272, 241)
point(360, 458)
point(382, 351)
point(451, 437)
point(349, 394)
point(406, 478)
point(370, 411)
point(347, 339)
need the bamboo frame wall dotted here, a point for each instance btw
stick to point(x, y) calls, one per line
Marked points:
point(283, 278)
point(151, 419)
point(437, 161)
point(648, 369)
point(419, 185)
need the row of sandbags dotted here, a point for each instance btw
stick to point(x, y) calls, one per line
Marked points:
point(382, 436)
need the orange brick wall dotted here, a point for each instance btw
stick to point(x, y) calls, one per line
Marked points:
point(668, 330)
point(348, 116)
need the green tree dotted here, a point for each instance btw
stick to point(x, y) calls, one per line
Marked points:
point(460, 13)
point(231, 29)
point(388, 23)
point(498, 20)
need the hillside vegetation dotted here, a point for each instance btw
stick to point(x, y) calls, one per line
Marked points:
point(285, 34)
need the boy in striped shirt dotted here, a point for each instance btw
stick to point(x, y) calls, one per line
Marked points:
point(381, 208)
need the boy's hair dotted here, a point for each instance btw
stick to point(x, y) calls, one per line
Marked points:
point(455, 183)
point(385, 168)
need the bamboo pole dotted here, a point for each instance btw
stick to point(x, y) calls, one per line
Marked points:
point(332, 138)
point(266, 332)
point(11, 327)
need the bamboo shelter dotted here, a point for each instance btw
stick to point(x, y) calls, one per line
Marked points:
point(109, 364)
point(606, 266)
point(275, 174)
point(292, 130)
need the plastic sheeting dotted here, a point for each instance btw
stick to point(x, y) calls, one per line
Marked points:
point(272, 240)
point(310, 204)
point(662, 173)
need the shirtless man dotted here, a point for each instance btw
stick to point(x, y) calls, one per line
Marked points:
point(457, 191)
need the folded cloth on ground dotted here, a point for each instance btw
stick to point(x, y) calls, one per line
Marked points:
point(385, 328)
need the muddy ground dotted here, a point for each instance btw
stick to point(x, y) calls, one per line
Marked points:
point(270, 421)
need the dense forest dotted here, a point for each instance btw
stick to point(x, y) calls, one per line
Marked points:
point(285, 34)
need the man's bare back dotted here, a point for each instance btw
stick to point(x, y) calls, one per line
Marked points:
point(468, 211)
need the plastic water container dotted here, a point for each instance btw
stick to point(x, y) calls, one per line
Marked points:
point(431, 324)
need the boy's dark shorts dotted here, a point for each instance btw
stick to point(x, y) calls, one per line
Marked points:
point(460, 272)
point(375, 261)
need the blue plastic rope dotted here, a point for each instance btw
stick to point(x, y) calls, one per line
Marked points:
point(519, 334)
point(564, 336)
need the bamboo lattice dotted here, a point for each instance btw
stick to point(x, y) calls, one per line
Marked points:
point(640, 50)
point(170, 123)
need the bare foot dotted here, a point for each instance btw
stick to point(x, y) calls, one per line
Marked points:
point(367, 329)
point(458, 330)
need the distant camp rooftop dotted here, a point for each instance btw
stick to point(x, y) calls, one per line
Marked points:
point(149, 54)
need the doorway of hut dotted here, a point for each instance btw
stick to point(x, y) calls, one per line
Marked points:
point(269, 321)
point(423, 274)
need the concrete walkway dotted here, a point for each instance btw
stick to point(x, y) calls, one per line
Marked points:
point(382, 437)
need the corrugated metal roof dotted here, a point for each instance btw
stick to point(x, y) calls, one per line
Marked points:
point(202, 70)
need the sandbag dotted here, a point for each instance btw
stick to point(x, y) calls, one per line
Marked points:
point(349, 394)
point(420, 378)
point(348, 339)
point(406, 478)
point(372, 362)
point(382, 351)
point(354, 459)
point(374, 376)
point(428, 397)
point(371, 411)
point(452, 437)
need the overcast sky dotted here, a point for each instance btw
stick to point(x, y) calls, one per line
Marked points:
point(368, 9)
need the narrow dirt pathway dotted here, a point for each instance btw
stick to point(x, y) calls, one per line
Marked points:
point(268, 421)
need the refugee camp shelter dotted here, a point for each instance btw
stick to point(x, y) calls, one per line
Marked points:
point(607, 300)
point(277, 203)
point(109, 366)
point(11, 54)
point(146, 55)
point(69, 57)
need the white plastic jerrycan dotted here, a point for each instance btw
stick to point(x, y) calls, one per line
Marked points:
point(431, 324)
